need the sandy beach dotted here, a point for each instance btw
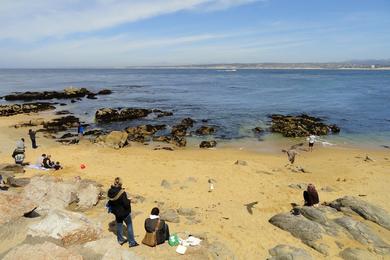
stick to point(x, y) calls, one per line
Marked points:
point(221, 214)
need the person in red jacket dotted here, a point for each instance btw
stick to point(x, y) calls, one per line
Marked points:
point(120, 206)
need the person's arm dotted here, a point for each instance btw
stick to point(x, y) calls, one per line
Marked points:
point(125, 201)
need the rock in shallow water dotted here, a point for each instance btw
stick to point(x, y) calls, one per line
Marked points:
point(208, 144)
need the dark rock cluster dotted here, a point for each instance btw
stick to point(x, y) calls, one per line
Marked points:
point(15, 109)
point(300, 126)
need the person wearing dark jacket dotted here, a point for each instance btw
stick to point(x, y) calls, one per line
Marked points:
point(162, 233)
point(32, 135)
point(311, 195)
point(120, 206)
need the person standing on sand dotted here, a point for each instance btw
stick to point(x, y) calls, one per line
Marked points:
point(80, 129)
point(32, 135)
point(119, 205)
point(310, 195)
point(312, 139)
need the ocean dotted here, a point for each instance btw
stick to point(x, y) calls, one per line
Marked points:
point(358, 101)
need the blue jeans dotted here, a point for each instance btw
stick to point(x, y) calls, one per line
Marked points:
point(130, 232)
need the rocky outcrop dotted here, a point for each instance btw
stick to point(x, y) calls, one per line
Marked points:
point(68, 228)
point(52, 193)
point(286, 252)
point(300, 126)
point(311, 225)
point(143, 132)
point(106, 115)
point(114, 139)
point(364, 209)
point(205, 130)
point(68, 93)
point(15, 109)
point(170, 215)
point(357, 254)
point(60, 124)
point(14, 206)
point(47, 250)
point(208, 144)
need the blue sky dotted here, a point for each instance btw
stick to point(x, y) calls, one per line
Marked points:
point(116, 33)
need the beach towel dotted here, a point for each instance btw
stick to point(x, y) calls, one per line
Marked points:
point(37, 167)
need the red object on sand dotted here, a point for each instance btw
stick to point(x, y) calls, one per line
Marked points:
point(82, 166)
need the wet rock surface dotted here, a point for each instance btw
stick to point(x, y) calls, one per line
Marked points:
point(68, 93)
point(300, 126)
point(143, 133)
point(106, 115)
point(205, 130)
point(208, 144)
point(345, 217)
point(16, 109)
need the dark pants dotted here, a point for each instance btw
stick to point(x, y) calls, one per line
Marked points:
point(34, 143)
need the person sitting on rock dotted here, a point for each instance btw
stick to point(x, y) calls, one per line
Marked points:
point(155, 224)
point(47, 163)
point(310, 195)
point(120, 206)
point(18, 155)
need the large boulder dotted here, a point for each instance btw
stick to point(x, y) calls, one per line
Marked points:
point(142, 132)
point(286, 252)
point(364, 209)
point(44, 251)
point(208, 144)
point(52, 193)
point(115, 139)
point(65, 227)
point(300, 126)
point(106, 115)
point(60, 124)
point(14, 206)
point(15, 109)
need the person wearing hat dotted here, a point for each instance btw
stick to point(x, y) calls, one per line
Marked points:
point(120, 206)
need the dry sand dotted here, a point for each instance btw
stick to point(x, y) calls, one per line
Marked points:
point(222, 212)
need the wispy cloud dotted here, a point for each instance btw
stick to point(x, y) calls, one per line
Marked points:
point(28, 20)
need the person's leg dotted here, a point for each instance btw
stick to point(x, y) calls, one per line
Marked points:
point(130, 232)
point(34, 143)
point(119, 232)
point(306, 198)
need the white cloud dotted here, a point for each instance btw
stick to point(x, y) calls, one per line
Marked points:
point(35, 19)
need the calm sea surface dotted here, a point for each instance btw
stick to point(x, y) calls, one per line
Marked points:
point(358, 101)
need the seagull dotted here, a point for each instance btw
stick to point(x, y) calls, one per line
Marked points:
point(250, 206)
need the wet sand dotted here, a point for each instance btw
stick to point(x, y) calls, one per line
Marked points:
point(221, 213)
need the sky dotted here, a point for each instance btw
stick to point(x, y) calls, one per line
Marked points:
point(119, 33)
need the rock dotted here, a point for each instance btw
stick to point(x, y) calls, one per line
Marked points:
point(94, 132)
point(11, 168)
point(180, 129)
point(208, 144)
point(115, 139)
point(69, 228)
point(170, 215)
point(17, 182)
point(51, 193)
point(161, 113)
point(31, 123)
point(61, 124)
point(105, 92)
point(63, 113)
point(298, 186)
point(68, 93)
point(300, 126)
point(364, 209)
point(47, 250)
point(15, 109)
point(14, 206)
point(140, 133)
point(188, 212)
point(241, 162)
point(364, 234)
point(286, 252)
point(106, 115)
point(188, 122)
point(205, 130)
point(91, 96)
point(164, 148)
point(258, 130)
point(300, 227)
point(165, 184)
point(357, 254)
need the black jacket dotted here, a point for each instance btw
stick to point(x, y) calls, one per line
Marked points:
point(118, 203)
point(162, 233)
